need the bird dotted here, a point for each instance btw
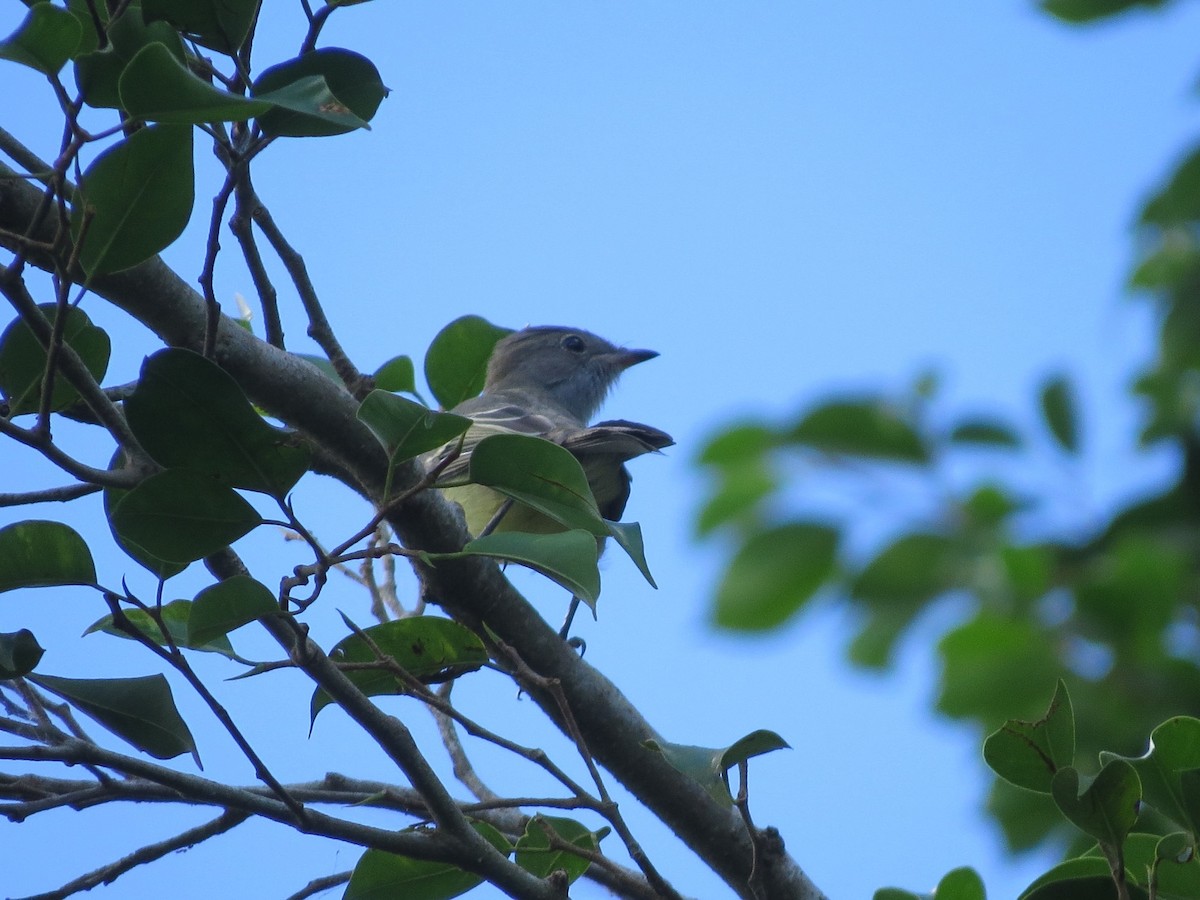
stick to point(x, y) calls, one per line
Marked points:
point(549, 381)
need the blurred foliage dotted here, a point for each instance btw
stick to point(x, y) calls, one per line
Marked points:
point(1109, 606)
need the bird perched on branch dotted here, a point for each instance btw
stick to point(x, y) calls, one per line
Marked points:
point(548, 381)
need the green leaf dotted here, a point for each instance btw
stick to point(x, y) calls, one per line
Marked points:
point(219, 24)
point(535, 856)
point(774, 574)
point(868, 428)
point(427, 647)
point(156, 86)
point(568, 558)
point(891, 893)
point(23, 360)
point(737, 445)
point(960, 884)
point(227, 606)
point(986, 433)
point(910, 571)
point(180, 516)
point(1058, 410)
point(1079, 11)
point(407, 429)
point(140, 711)
point(98, 72)
point(37, 553)
point(324, 92)
point(137, 198)
point(46, 38)
point(19, 653)
point(379, 875)
point(1176, 202)
point(175, 617)
point(539, 474)
point(1028, 754)
point(1167, 770)
point(456, 362)
point(1084, 878)
point(994, 667)
point(737, 496)
point(1107, 807)
point(190, 413)
point(397, 375)
point(708, 765)
point(160, 568)
point(628, 536)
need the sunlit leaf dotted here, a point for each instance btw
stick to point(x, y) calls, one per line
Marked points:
point(456, 362)
point(37, 553)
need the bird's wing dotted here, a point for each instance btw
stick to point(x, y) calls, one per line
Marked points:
point(489, 415)
point(617, 438)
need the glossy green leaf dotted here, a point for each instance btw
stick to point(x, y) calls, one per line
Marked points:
point(140, 711)
point(23, 360)
point(1079, 11)
point(324, 92)
point(174, 616)
point(37, 553)
point(1105, 808)
point(774, 574)
point(98, 72)
point(427, 647)
point(137, 197)
point(379, 875)
point(534, 854)
point(219, 24)
point(190, 413)
point(568, 558)
point(985, 432)
point(157, 87)
point(47, 37)
point(227, 606)
point(180, 515)
point(19, 653)
point(868, 428)
point(456, 362)
point(628, 536)
point(1167, 770)
point(1059, 412)
point(1029, 753)
point(397, 375)
point(708, 765)
point(539, 474)
point(407, 429)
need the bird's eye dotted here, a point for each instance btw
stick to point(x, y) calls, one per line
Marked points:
point(574, 343)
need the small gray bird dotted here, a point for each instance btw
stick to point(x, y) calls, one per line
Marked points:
point(549, 381)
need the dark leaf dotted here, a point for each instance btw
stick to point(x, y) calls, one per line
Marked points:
point(180, 516)
point(19, 653)
point(1058, 410)
point(1107, 807)
point(324, 92)
point(379, 875)
point(227, 606)
point(407, 429)
point(137, 197)
point(535, 855)
point(1028, 754)
point(569, 558)
point(156, 86)
point(219, 24)
point(190, 413)
point(140, 711)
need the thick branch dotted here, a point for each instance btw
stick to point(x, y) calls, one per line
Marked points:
point(472, 589)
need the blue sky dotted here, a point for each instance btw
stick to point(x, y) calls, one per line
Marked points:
point(785, 200)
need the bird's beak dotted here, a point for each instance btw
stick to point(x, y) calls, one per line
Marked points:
point(626, 358)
